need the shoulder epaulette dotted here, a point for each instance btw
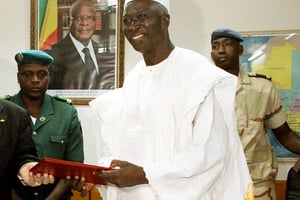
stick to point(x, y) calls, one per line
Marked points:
point(6, 97)
point(63, 98)
point(253, 74)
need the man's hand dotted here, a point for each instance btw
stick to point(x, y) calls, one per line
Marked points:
point(125, 174)
point(80, 185)
point(28, 178)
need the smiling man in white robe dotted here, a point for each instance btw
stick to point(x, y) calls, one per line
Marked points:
point(170, 130)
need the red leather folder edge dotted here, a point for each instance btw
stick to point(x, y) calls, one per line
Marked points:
point(62, 168)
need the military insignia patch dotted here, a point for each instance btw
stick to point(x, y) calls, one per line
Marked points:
point(20, 57)
point(64, 99)
point(253, 74)
point(5, 97)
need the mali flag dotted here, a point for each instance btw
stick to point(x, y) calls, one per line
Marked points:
point(47, 23)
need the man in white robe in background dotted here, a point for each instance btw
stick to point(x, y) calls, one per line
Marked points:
point(170, 130)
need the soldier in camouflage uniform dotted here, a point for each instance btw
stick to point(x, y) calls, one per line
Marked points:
point(258, 108)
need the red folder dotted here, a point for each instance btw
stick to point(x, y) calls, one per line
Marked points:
point(62, 168)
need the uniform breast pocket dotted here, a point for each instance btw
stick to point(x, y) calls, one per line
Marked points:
point(58, 146)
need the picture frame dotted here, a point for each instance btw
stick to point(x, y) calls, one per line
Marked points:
point(81, 96)
point(277, 55)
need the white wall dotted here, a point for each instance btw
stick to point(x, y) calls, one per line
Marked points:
point(14, 37)
point(191, 25)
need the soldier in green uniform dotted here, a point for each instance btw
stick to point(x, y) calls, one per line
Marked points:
point(56, 128)
point(258, 107)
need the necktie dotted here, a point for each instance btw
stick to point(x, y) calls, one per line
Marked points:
point(88, 60)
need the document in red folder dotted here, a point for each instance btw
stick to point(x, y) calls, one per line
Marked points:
point(62, 168)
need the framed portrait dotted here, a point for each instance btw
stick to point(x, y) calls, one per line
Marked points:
point(63, 29)
point(277, 55)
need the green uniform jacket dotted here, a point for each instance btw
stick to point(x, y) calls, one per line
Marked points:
point(57, 134)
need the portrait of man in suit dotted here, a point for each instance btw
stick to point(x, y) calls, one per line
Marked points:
point(79, 62)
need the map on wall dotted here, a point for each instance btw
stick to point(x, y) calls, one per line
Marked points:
point(278, 56)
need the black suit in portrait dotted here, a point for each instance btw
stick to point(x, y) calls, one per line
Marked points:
point(16, 145)
point(69, 71)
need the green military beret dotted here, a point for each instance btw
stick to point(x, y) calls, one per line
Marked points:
point(33, 56)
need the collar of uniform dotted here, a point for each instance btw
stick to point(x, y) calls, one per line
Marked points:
point(45, 112)
point(243, 77)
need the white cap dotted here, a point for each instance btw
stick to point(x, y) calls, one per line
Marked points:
point(165, 3)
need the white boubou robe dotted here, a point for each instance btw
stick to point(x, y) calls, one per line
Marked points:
point(177, 120)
